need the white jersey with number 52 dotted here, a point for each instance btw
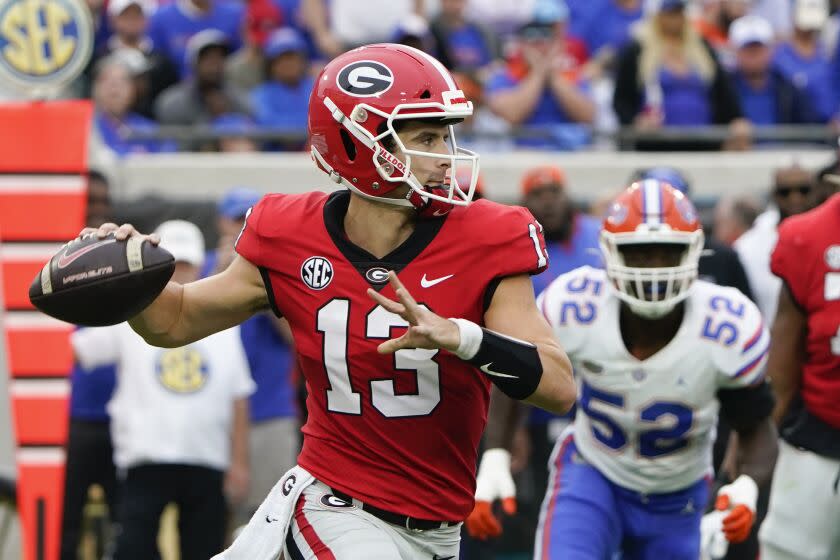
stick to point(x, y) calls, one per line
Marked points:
point(648, 425)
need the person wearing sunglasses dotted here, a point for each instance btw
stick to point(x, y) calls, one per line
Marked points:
point(792, 193)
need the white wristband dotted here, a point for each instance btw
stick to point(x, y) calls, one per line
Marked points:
point(471, 337)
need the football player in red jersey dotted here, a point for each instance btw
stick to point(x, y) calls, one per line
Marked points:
point(368, 278)
point(803, 520)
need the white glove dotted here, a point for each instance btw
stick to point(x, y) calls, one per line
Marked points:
point(737, 501)
point(493, 482)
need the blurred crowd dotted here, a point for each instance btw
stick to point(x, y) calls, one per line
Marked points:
point(543, 74)
point(133, 434)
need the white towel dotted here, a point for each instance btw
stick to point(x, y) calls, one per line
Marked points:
point(265, 534)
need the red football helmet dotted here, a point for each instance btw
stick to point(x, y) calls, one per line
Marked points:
point(356, 100)
point(651, 212)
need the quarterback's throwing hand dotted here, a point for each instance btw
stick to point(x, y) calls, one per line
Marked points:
point(426, 329)
point(122, 232)
point(494, 482)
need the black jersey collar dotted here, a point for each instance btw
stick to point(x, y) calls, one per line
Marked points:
point(335, 209)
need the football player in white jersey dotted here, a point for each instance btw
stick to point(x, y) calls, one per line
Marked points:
point(657, 354)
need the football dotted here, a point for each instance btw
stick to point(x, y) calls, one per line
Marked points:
point(97, 282)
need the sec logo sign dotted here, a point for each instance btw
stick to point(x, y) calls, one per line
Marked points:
point(316, 272)
point(182, 370)
point(44, 44)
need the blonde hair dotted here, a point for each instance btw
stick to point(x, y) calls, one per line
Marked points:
point(651, 56)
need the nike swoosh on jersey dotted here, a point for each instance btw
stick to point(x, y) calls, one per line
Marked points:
point(436, 557)
point(486, 369)
point(65, 259)
point(429, 283)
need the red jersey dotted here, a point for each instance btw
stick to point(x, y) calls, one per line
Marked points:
point(807, 258)
point(398, 431)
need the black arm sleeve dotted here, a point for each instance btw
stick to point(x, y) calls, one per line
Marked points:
point(627, 99)
point(745, 408)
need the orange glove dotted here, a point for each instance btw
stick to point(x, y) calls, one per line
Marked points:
point(738, 499)
point(493, 482)
point(482, 524)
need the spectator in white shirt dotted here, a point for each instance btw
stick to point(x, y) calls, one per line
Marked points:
point(179, 423)
point(793, 193)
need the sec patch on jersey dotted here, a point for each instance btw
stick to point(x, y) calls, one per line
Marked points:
point(97, 282)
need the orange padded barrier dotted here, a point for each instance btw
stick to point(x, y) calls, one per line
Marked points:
point(40, 495)
point(43, 195)
point(50, 137)
point(20, 263)
point(40, 411)
point(42, 207)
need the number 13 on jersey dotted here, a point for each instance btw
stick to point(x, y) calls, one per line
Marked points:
point(334, 324)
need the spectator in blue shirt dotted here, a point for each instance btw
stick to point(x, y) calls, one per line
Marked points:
point(541, 90)
point(582, 14)
point(609, 28)
point(283, 100)
point(571, 236)
point(468, 46)
point(266, 339)
point(113, 95)
point(669, 76)
point(767, 96)
point(90, 455)
point(172, 26)
point(802, 59)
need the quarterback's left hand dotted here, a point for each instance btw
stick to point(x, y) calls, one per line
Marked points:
point(426, 329)
point(738, 500)
point(493, 482)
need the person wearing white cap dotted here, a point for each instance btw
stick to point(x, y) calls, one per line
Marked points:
point(803, 59)
point(179, 422)
point(129, 21)
point(767, 96)
point(152, 72)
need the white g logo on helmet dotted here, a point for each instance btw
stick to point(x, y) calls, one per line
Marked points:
point(365, 78)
